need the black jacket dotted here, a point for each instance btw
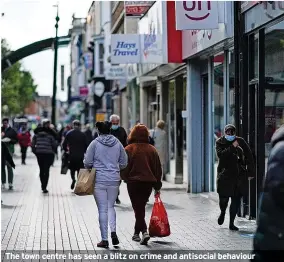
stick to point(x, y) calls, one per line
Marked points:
point(76, 143)
point(234, 167)
point(10, 133)
point(120, 134)
point(44, 141)
point(270, 231)
point(89, 136)
point(6, 156)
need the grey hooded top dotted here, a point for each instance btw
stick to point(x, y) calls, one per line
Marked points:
point(107, 155)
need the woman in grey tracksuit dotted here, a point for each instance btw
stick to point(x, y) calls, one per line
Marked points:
point(107, 155)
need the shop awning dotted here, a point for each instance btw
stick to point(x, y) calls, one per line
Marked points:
point(163, 70)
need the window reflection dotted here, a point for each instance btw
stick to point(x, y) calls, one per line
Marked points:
point(274, 81)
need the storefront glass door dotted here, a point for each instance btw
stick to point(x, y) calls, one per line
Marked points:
point(266, 101)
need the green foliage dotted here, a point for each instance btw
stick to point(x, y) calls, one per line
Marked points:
point(18, 87)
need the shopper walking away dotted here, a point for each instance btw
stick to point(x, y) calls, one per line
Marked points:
point(44, 146)
point(9, 137)
point(270, 229)
point(89, 135)
point(107, 155)
point(143, 173)
point(235, 167)
point(75, 143)
point(58, 141)
point(159, 136)
point(120, 133)
point(24, 138)
point(6, 157)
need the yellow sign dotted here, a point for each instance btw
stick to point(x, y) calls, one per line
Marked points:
point(100, 117)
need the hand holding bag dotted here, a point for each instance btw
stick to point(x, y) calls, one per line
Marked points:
point(159, 224)
point(85, 183)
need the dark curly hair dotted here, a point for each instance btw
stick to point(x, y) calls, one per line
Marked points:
point(103, 127)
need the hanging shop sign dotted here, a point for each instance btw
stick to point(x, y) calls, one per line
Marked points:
point(115, 72)
point(196, 15)
point(125, 49)
point(136, 8)
point(153, 42)
point(195, 41)
point(84, 91)
point(98, 88)
point(88, 60)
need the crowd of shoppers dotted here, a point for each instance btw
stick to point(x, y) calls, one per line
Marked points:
point(138, 159)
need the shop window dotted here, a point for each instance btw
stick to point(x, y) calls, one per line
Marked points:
point(274, 81)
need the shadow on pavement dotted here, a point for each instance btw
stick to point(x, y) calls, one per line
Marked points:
point(9, 206)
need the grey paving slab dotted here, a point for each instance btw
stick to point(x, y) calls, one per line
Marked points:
point(63, 221)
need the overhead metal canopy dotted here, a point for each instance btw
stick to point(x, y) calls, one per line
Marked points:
point(31, 49)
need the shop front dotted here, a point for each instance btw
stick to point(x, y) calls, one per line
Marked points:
point(209, 55)
point(262, 84)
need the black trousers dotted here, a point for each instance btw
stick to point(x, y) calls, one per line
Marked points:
point(234, 207)
point(139, 194)
point(75, 165)
point(24, 150)
point(44, 162)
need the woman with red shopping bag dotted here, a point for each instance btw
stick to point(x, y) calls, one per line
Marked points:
point(143, 173)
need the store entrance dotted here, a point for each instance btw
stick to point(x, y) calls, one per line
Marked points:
point(265, 103)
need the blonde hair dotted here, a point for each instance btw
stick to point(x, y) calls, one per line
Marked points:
point(161, 124)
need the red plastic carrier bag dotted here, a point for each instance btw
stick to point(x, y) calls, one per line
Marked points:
point(159, 223)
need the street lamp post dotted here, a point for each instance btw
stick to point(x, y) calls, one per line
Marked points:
point(53, 114)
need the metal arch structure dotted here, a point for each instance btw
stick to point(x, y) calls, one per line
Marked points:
point(31, 49)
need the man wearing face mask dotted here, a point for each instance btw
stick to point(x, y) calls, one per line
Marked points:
point(235, 167)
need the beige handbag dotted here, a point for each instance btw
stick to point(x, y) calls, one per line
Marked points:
point(85, 183)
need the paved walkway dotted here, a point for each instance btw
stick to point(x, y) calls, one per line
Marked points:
point(63, 221)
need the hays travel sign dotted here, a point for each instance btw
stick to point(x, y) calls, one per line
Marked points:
point(125, 49)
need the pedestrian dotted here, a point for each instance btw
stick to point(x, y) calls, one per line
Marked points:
point(58, 141)
point(75, 144)
point(235, 167)
point(88, 134)
point(120, 133)
point(24, 138)
point(107, 155)
point(159, 136)
point(270, 227)
point(44, 146)
point(143, 173)
point(9, 137)
point(6, 157)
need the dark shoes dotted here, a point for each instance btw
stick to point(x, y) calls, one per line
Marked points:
point(136, 237)
point(117, 201)
point(145, 238)
point(233, 227)
point(114, 239)
point(73, 184)
point(45, 191)
point(103, 244)
point(11, 187)
point(221, 218)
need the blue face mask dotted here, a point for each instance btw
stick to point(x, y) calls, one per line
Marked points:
point(230, 138)
point(114, 127)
